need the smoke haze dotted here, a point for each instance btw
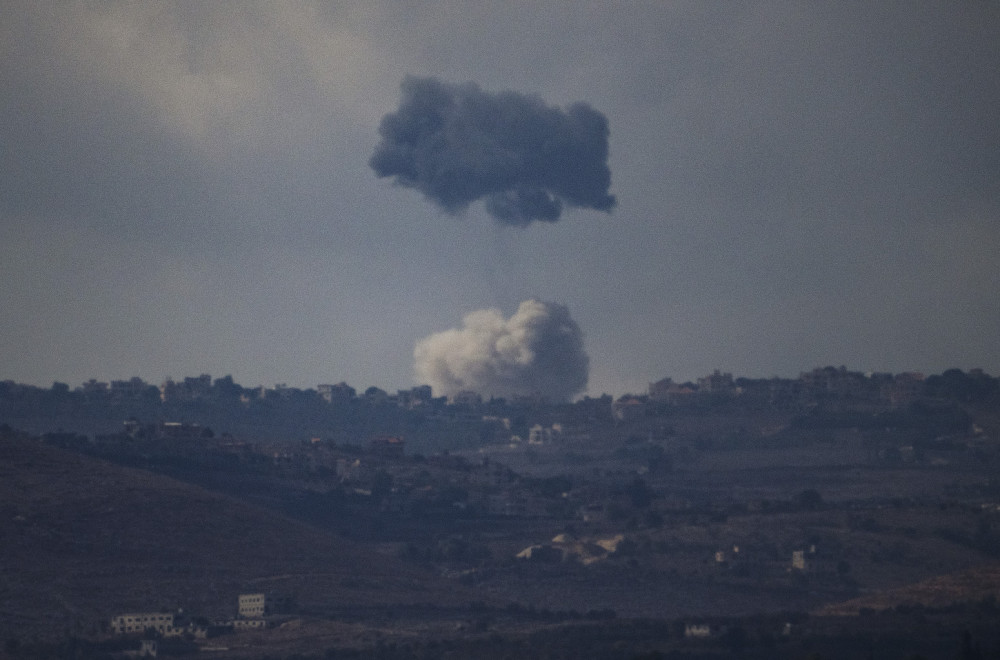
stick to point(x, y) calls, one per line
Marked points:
point(538, 350)
point(457, 144)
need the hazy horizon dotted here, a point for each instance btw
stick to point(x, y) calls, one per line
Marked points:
point(437, 392)
point(189, 188)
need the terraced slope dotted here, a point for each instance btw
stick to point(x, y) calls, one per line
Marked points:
point(81, 540)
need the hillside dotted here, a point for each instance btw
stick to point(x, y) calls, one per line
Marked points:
point(978, 584)
point(83, 540)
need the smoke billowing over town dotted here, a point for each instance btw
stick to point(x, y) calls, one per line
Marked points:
point(458, 144)
point(537, 351)
point(363, 214)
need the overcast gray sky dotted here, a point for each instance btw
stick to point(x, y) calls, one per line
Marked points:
point(185, 188)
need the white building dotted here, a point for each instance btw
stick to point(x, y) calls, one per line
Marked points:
point(249, 624)
point(251, 606)
point(126, 624)
point(697, 630)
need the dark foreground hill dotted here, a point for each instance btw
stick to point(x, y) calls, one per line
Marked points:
point(82, 540)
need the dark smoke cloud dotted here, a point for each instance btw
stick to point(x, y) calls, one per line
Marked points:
point(457, 144)
point(538, 350)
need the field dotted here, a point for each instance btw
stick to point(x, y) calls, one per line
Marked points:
point(782, 539)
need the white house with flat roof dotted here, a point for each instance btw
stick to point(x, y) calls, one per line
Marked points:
point(139, 622)
point(251, 606)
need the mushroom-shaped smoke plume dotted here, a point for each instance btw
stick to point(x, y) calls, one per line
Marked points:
point(457, 144)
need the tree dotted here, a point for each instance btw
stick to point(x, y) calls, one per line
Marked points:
point(968, 650)
point(375, 395)
point(226, 388)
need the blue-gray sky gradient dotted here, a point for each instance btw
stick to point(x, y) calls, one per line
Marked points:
point(184, 188)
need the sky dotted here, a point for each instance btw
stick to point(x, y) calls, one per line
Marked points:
point(188, 188)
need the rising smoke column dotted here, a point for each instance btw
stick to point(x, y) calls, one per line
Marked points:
point(457, 144)
point(538, 350)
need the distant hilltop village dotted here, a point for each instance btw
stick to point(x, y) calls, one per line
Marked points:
point(189, 408)
point(822, 384)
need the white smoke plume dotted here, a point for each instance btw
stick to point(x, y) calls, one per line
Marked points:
point(537, 351)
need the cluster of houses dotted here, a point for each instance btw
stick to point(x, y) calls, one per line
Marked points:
point(825, 383)
point(828, 385)
point(251, 609)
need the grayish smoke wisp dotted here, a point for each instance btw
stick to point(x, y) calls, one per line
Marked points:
point(457, 144)
point(537, 351)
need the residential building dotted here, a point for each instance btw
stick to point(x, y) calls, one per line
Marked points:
point(250, 606)
point(697, 630)
point(717, 383)
point(139, 622)
point(339, 392)
point(628, 408)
